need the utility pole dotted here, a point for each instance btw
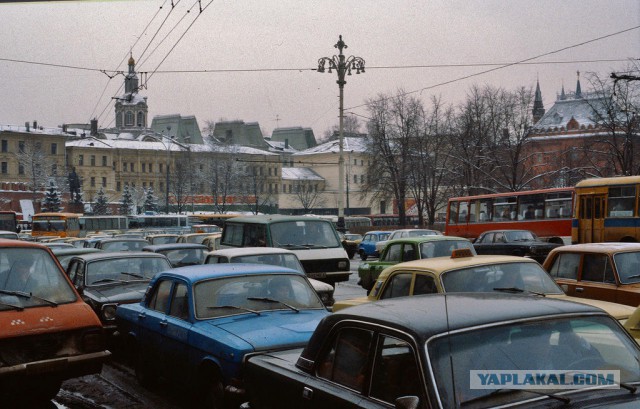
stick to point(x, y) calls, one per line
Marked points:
point(343, 66)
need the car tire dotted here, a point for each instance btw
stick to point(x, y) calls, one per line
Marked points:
point(144, 371)
point(363, 256)
point(211, 390)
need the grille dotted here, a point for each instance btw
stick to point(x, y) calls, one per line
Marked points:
point(26, 349)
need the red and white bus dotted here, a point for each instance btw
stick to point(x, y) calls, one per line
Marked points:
point(546, 212)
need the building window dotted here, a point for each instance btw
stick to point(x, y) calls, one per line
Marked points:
point(355, 178)
point(124, 166)
point(118, 186)
point(93, 181)
point(5, 146)
point(54, 148)
point(128, 118)
point(290, 188)
point(131, 166)
point(276, 187)
point(144, 168)
point(275, 171)
point(161, 170)
point(4, 168)
point(140, 118)
point(361, 162)
point(355, 162)
point(21, 146)
point(362, 179)
point(104, 161)
point(80, 160)
point(113, 165)
point(104, 182)
point(20, 169)
point(269, 171)
point(93, 160)
point(151, 168)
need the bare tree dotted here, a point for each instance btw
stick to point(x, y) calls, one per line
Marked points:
point(308, 193)
point(36, 165)
point(181, 182)
point(351, 126)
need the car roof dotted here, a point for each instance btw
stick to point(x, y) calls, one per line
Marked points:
point(442, 264)
point(599, 247)
point(422, 239)
point(208, 271)
point(505, 230)
point(174, 246)
point(264, 219)
point(105, 255)
point(121, 239)
point(378, 232)
point(424, 316)
point(21, 243)
point(231, 252)
point(65, 251)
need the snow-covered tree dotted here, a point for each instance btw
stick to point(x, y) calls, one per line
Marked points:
point(150, 201)
point(100, 207)
point(127, 201)
point(51, 202)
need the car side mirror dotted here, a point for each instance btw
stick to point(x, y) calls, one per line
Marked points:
point(407, 402)
point(564, 287)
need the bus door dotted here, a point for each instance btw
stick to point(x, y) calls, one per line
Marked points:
point(591, 218)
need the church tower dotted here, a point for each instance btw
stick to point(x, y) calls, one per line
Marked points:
point(538, 108)
point(131, 108)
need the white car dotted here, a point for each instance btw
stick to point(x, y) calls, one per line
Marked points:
point(273, 256)
point(402, 233)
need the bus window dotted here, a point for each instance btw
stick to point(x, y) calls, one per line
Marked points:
point(473, 211)
point(484, 212)
point(621, 201)
point(528, 205)
point(463, 212)
point(453, 212)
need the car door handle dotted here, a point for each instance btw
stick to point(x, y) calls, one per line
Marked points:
point(579, 289)
point(163, 323)
point(307, 393)
point(142, 315)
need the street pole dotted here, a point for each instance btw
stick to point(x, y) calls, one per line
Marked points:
point(343, 66)
point(167, 169)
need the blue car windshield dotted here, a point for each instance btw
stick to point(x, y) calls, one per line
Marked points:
point(253, 294)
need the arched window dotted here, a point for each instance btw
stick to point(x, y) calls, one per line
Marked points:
point(128, 118)
point(141, 119)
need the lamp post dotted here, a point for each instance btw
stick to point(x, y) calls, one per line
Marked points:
point(343, 65)
point(167, 170)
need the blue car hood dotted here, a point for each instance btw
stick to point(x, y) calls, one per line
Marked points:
point(273, 329)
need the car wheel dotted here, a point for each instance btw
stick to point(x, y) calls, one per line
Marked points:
point(211, 390)
point(144, 372)
point(363, 256)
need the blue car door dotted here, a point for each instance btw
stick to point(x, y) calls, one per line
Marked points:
point(175, 334)
point(152, 322)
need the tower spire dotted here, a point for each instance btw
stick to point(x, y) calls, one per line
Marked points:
point(538, 107)
point(578, 89)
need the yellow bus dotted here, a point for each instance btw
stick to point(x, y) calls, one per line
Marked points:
point(55, 224)
point(606, 209)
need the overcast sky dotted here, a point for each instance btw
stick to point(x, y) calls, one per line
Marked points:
point(265, 52)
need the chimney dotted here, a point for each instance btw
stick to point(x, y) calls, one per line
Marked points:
point(94, 127)
point(64, 128)
point(26, 125)
point(286, 144)
point(35, 124)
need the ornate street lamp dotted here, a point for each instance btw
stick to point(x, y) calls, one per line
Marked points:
point(343, 66)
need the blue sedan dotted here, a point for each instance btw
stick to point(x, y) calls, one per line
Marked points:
point(196, 324)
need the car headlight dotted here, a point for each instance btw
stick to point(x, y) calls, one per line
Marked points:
point(343, 265)
point(109, 312)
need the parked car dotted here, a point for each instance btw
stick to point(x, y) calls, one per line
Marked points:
point(350, 242)
point(314, 240)
point(154, 239)
point(121, 244)
point(64, 255)
point(407, 249)
point(192, 238)
point(47, 333)
point(601, 271)
point(213, 241)
point(465, 273)
point(522, 243)
point(107, 280)
point(196, 324)
point(5, 234)
point(367, 247)
point(431, 351)
point(181, 254)
point(272, 256)
point(404, 233)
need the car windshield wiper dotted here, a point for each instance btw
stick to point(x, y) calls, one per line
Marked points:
point(28, 295)
point(109, 280)
point(518, 290)
point(271, 300)
point(506, 390)
point(291, 246)
point(634, 276)
point(216, 307)
point(315, 246)
point(16, 307)
point(136, 275)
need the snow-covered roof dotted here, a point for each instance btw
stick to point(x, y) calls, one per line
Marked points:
point(300, 174)
point(559, 115)
point(161, 146)
point(279, 147)
point(350, 144)
point(41, 130)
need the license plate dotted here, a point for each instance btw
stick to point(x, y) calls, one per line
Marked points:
point(317, 275)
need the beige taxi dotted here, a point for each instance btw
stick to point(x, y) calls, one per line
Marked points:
point(464, 272)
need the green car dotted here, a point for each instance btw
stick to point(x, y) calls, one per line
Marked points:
point(407, 249)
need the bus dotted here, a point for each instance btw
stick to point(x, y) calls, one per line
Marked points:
point(160, 221)
point(55, 224)
point(94, 224)
point(545, 212)
point(9, 221)
point(218, 219)
point(350, 222)
point(607, 210)
point(392, 220)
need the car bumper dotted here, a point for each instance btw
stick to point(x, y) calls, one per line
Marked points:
point(334, 276)
point(64, 367)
